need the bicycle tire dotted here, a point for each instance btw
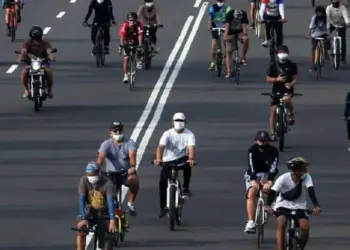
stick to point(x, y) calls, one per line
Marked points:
point(218, 63)
point(95, 242)
point(281, 130)
point(337, 55)
point(172, 208)
point(36, 97)
point(146, 55)
point(259, 221)
point(109, 244)
point(293, 244)
point(313, 3)
point(132, 72)
point(237, 68)
point(98, 50)
point(13, 18)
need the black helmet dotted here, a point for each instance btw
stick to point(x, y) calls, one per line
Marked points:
point(132, 16)
point(262, 135)
point(116, 126)
point(320, 9)
point(36, 33)
point(297, 163)
point(283, 48)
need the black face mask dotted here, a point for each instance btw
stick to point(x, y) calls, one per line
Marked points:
point(335, 5)
point(149, 9)
point(262, 147)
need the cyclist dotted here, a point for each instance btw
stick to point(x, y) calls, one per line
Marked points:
point(131, 32)
point(217, 18)
point(337, 14)
point(347, 116)
point(272, 10)
point(96, 194)
point(262, 169)
point(283, 74)
point(236, 29)
point(149, 15)
point(291, 190)
point(6, 4)
point(176, 145)
point(120, 156)
point(39, 48)
point(317, 28)
point(103, 16)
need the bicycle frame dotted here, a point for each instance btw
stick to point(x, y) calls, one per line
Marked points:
point(337, 38)
point(220, 50)
point(174, 181)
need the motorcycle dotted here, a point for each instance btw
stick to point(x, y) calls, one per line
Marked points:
point(37, 79)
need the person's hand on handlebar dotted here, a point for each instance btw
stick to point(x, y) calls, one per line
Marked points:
point(269, 210)
point(316, 210)
point(267, 186)
point(255, 184)
point(157, 162)
point(83, 223)
point(112, 226)
point(191, 162)
point(280, 78)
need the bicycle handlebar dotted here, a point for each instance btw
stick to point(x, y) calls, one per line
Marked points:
point(289, 214)
point(173, 165)
point(154, 26)
point(218, 29)
point(272, 21)
point(278, 94)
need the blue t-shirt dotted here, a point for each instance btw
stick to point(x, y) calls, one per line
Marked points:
point(117, 155)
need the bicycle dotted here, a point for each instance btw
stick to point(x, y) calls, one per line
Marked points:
point(95, 229)
point(261, 216)
point(220, 51)
point(258, 25)
point(130, 47)
point(320, 55)
point(120, 214)
point(100, 53)
point(13, 24)
point(336, 47)
point(272, 45)
point(283, 118)
point(293, 231)
point(148, 52)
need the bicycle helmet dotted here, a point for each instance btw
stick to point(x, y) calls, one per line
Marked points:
point(297, 163)
point(238, 14)
point(36, 33)
point(91, 168)
point(116, 127)
point(132, 16)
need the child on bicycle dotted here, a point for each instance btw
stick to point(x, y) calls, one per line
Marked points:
point(317, 28)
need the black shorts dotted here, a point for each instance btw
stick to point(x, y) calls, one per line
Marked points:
point(214, 34)
point(275, 100)
point(301, 214)
point(8, 4)
point(118, 179)
point(314, 41)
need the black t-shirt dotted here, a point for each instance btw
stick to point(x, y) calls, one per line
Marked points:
point(236, 25)
point(288, 69)
point(103, 12)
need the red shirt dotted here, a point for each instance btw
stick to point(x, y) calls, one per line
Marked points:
point(130, 33)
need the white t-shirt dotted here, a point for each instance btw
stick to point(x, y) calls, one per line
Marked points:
point(176, 145)
point(285, 183)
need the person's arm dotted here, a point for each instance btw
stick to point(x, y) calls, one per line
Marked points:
point(139, 14)
point(281, 9)
point(110, 11)
point(228, 20)
point(311, 190)
point(132, 151)
point(262, 9)
point(245, 23)
point(159, 20)
point(275, 189)
point(88, 14)
point(82, 196)
point(329, 21)
point(140, 34)
point(102, 152)
point(270, 78)
point(273, 167)
point(161, 147)
point(191, 147)
point(345, 14)
point(110, 193)
point(24, 51)
point(294, 77)
point(210, 17)
point(312, 25)
point(251, 168)
point(49, 49)
point(122, 32)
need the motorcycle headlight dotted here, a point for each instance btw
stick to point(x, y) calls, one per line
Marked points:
point(35, 65)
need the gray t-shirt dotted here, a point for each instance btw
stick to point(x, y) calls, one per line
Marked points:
point(117, 155)
point(317, 28)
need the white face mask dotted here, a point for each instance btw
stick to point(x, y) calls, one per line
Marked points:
point(149, 4)
point(179, 125)
point(100, 1)
point(93, 179)
point(118, 137)
point(282, 57)
point(220, 4)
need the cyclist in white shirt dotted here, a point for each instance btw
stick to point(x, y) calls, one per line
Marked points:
point(177, 145)
point(337, 14)
point(291, 189)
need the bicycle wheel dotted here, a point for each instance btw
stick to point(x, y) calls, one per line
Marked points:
point(237, 69)
point(146, 54)
point(280, 129)
point(98, 51)
point(172, 208)
point(132, 72)
point(218, 62)
point(13, 25)
point(103, 53)
point(259, 221)
point(36, 96)
point(293, 244)
point(336, 58)
point(313, 3)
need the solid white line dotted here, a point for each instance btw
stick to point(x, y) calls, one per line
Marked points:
point(151, 101)
point(46, 30)
point(197, 3)
point(12, 69)
point(61, 14)
point(73, 1)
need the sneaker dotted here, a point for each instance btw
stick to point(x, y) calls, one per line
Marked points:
point(26, 94)
point(250, 227)
point(126, 79)
point(139, 65)
point(131, 209)
point(187, 193)
point(163, 212)
point(252, 26)
point(265, 44)
point(211, 66)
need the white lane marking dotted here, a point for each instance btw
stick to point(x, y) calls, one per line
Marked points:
point(12, 69)
point(61, 14)
point(197, 4)
point(46, 30)
point(151, 101)
point(73, 1)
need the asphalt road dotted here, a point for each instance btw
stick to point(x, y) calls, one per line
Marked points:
point(43, 154)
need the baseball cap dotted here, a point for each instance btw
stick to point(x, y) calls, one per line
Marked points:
point(116, 126)
point(179, 116)
point(262, 135)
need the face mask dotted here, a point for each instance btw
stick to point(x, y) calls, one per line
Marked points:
point(118, 137)
point(335, 5)
point(282, 57)
point(179, 125)
point(149, 4)
point(100, 1)
point(93, 179)
point(220, 4)
point(263, 146)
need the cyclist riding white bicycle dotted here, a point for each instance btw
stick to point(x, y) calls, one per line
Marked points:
point(217, 18)
point(262, 169)
point(176, 144)
point(337, 15)
point(291, 189)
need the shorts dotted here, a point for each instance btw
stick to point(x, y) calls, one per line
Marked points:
point(314, 41)
point(215, 34)
point(9, 3)
point(118, 179)
point(248, 182)
point(253, 1)
point(231, 44)
point(300, 213)
point(127, 50)
point(275, 100)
